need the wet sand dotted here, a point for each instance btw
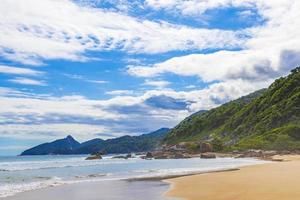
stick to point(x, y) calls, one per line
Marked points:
point(272, 181)
point(101, 190)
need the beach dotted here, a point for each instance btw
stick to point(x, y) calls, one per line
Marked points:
point(271, 181)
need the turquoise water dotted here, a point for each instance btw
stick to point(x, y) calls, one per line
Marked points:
point(19, 174)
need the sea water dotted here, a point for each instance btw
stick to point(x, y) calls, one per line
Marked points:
point(25, 173)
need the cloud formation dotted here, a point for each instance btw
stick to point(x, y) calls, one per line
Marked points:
point(271, 51)
point(19, 71)
point(65, 30)
point(27, 81)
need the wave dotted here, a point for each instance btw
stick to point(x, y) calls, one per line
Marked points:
point(39, 165)
point(12, 189)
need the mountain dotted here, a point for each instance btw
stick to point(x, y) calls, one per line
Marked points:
point(125, 144)
point(266, 119)
point(62, 146)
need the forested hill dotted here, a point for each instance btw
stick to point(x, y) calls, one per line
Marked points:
point(266, 119)
point(124, 144)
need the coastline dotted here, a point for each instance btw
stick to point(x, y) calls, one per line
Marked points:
point(276, 181)
point(150, 179)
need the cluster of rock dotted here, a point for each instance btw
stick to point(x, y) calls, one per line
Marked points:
point(193, 149)
point(261, 154)
point(183, 150)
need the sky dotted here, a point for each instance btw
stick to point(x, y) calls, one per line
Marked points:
point(107, 68)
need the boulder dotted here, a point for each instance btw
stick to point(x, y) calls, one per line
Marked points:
point(181, 155)
point(208, 155)
point(94, 157)
point(149, 155)
point(129, 155)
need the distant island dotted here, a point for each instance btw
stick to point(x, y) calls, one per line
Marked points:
point(268, 119)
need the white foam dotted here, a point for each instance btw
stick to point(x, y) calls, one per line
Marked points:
point(12, 189)
point(59, 163)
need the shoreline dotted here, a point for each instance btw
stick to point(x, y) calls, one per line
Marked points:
point(159, 179)
point(276, 181)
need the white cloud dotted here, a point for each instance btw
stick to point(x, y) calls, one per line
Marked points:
point(27, 81)
point(81, 132)
point(97, 81)
point(191, 86)
point(80, 77)
point(50, 29)
point(195, 7)
point(156, 83)
point(120, 92)
point(18, 70)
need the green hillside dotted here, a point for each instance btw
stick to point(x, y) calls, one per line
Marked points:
point(266, 119)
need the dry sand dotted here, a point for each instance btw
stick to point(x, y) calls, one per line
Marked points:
point(272, 181)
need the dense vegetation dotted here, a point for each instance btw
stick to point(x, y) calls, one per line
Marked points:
point(125, 144)
point(266, 119)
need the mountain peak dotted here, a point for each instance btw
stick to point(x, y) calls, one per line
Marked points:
point(70, 137)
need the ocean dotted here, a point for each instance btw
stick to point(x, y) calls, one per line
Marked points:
point(26, 173)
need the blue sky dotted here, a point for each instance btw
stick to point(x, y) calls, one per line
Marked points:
point(110, 68)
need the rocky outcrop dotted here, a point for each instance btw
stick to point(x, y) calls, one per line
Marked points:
point(252, 153)
point(94, 157)
point(208, 155)
point(170, 155)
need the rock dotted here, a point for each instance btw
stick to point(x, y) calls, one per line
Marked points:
point(270, 153)
point(236, 152)
point(129, 155)
point(123, 157)
point(119, 157)
point(149, 155)
point(161, 157)
point(252, 154)
point(285, 152)
point(205, 147)
point(208, 155)
point(180, 156)
point(94, 157)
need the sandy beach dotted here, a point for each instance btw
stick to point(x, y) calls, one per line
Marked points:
point(272, 181)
